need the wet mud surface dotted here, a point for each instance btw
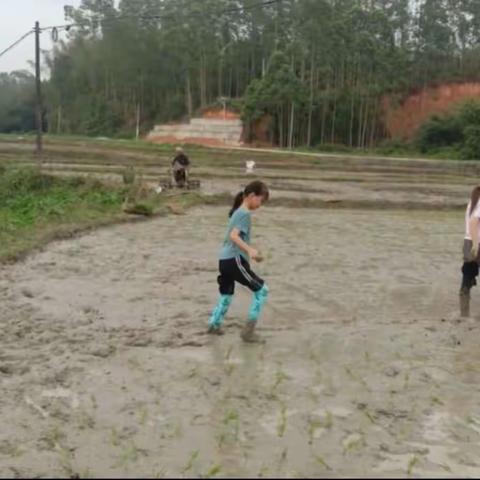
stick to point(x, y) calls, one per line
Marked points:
point(106, 370)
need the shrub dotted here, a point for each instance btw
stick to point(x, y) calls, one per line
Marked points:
point(471, 147)
point(439, 132)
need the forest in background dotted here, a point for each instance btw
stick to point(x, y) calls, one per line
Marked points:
point(318, 68)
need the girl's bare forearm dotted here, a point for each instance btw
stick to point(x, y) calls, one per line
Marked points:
point(235, 238)
point(241, 244)
point(474, 231)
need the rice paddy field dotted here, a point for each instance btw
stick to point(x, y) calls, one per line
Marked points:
point(368, 371)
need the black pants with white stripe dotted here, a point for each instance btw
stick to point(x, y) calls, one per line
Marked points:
point(470, 267)
point(237, 270)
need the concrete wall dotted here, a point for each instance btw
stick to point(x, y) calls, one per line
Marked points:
point(206, 131)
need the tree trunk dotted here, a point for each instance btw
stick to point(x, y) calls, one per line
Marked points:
point(323, 121)
point(137, 130)
point(252, 66)
point(360, 122)
point(374, 124)
point(230, 83)
point(280, 128)
point(202, 80)
point(334, 115)
point(59, 119)
point(353, 89)
point(106, 84)
point(220, 79)
point(336, 81)
point(188, 92)
point(369, 111)
point(237, 83)
point(310, 104)
point(292, 115)
point(352, 115)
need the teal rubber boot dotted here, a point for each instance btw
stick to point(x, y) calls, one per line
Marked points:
point(218, 315)
point(258, 301)
point(248, 333)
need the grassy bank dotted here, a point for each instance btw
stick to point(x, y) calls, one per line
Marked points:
point(36, 208)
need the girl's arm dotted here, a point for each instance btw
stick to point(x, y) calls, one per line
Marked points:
point(236, 239)
point(473, 224)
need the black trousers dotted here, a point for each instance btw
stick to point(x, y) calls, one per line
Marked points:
point(469, 267)
point(180, 177)
point(237, 270)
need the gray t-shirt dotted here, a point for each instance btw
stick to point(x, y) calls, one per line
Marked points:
point(242, 220)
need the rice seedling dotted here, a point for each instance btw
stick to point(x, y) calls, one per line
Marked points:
point(411, 463)
point(321, 461)
point(282, 424)
point(189, 465)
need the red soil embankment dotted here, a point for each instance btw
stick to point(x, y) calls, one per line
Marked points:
point(402, 121)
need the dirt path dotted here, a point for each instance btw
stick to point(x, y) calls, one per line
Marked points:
point(105, 369)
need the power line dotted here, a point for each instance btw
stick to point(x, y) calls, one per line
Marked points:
point(157, 17)
point(67, 26)
point(133, 17)
point(16, 43)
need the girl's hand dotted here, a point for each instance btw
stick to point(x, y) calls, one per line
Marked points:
point(474, 253)
point(255, 255)
point(259, 258)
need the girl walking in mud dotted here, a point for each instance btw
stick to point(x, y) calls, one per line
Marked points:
point(234, 262)
point(471, 254)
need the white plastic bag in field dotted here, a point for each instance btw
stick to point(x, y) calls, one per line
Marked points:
point(250, 165)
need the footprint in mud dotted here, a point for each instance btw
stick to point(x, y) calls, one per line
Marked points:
point(205, 268)
point(232, 324)
point(139, 341)
point(10, 448)
point(136, 299)
point(88, 309)
point(27, 292)
point(102, 351)
point(193, 343)
point(453, 341)
point(10, 369)
point(204, 301)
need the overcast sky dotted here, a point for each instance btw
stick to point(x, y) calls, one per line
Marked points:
point(19, 16)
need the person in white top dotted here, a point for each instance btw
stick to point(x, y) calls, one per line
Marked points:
point(471, 257)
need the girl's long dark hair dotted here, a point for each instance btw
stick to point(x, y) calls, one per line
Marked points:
point(257, 188)
point(474, 198)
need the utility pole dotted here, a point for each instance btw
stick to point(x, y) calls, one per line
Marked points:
point(38, 83)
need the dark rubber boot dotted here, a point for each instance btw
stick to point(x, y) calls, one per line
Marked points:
point(248, 334)
point(465, 302)
point(215, 330)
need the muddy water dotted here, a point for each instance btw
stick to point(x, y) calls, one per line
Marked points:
point(105, 369)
